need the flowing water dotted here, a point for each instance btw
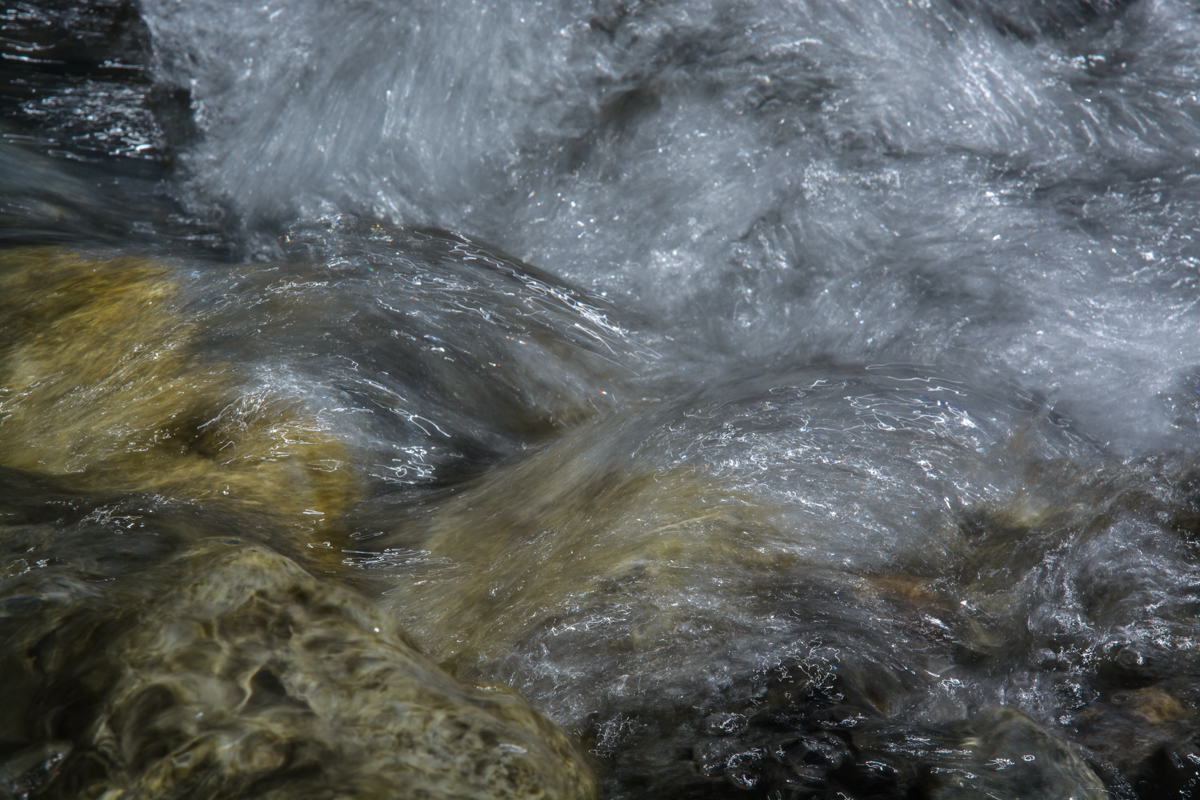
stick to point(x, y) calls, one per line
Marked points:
point(600, 398)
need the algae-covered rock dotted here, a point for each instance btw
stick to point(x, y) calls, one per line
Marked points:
point(105, 375)
point(251, 678)
point(803, 584)
point(846, 478)
point(689, 629)
point(883, 573)
point(291, 390)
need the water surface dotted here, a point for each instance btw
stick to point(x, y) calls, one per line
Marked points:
point(608, 399)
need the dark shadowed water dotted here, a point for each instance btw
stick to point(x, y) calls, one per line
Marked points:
point(600, 398)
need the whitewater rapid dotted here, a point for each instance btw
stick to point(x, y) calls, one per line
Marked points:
point(789, 397)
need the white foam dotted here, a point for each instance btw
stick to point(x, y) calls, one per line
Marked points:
point(856, 182)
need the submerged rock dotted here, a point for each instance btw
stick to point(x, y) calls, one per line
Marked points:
point(109, 373)
point(147, 406)
point(292, 390)
point(802, 582)
point(251, 678)
point(893, 569)
point(1005, 754)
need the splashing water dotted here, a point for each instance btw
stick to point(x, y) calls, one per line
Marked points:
point(793, 398)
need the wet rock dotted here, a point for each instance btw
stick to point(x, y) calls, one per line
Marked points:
point(701, 637)
point(251, 678)
point(295, 389)
point(1005, 754)
point(697, 634)
point(107, 378)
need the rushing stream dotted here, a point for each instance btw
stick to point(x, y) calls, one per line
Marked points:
point(600, 399)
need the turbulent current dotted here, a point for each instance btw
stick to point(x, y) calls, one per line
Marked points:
point(584, 399)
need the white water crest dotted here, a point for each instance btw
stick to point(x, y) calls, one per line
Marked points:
point(878, 181)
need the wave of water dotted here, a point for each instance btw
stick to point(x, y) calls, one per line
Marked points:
point(793, 398)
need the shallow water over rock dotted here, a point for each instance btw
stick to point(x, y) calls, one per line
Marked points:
point(686, 399)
